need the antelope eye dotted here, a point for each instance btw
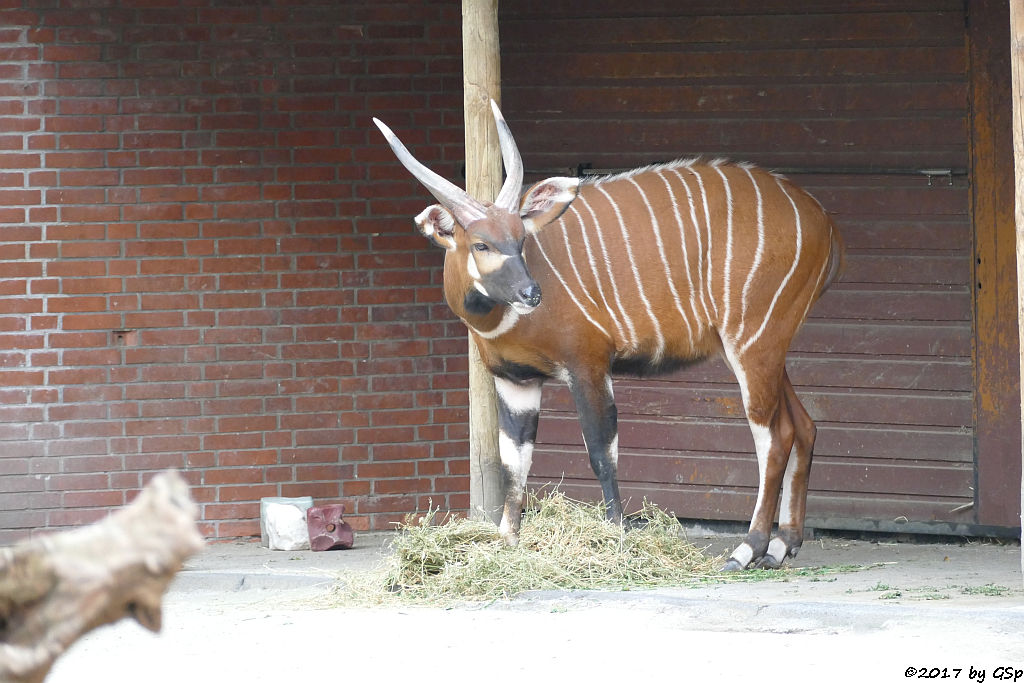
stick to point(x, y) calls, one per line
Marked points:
point(480, 246)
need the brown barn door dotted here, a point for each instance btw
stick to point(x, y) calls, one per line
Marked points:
point(865, 105)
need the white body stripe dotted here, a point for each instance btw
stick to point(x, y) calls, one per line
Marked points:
point(611, 278)
point(785, 280)
point(727, 269)
point(706, 265)
point(568, 291)
point(660, 339)
point(700, 248)
point(593, 270)
point(572, 264)
point(664, 259)
point(758, 253)
point(819, 280)
point(692, 321)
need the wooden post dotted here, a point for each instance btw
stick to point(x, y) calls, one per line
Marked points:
point(996, 347)
point(481, 83)
point(1017, 68)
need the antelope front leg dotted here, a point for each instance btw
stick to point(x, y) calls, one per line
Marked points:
point(599, 421)
point(518, 410)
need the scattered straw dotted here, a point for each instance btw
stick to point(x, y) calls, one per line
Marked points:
point(564, 545)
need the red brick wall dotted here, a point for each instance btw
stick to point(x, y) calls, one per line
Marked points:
point(207, 260)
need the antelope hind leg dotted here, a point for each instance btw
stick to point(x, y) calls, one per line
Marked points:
point(793, 503)
point(773, 441)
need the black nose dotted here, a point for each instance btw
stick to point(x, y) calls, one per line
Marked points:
point(530, 295)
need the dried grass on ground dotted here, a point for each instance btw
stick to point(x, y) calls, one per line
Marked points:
point(564, 545)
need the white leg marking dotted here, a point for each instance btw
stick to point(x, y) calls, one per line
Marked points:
point(761, 433)
point(732, 358)
point(727, 270)
point(778, 549)
point(660, 340)
point(786, 516)
point(758, 253)
point(785, 280)
point(568, 291)
point(505, 528)
point(608, 268)
point(762, 443)
point(656, 228)
point(518, 398)
point(743, 554)
point(613, 447)
point(516, 460)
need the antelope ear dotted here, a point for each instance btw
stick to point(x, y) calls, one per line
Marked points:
point(546, 201)
point(437, 224)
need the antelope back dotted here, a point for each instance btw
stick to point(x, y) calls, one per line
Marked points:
point(669, 262)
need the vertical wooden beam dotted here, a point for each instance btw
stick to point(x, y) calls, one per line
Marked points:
point(481, 83)
point(996, 348)
point(1017, 79)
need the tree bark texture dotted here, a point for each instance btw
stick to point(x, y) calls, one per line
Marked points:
point(1017, 69)
point(481, 83)
point(56, 588)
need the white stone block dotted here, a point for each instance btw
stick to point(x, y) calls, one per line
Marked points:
point(286, 527)
point(302, 502)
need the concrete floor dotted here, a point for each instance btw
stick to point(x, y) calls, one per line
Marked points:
point(917, 610)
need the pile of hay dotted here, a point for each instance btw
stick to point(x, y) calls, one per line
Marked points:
point(564, 544)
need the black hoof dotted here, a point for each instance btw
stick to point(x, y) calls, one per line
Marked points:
point(731, 566)
point(635, 523)
point(768, 562)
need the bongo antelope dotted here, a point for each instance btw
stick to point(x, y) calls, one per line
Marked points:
point(639, 273)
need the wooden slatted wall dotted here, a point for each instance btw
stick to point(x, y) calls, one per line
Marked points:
point(848, 97)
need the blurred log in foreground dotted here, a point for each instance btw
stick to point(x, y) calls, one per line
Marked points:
point(54, 589)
